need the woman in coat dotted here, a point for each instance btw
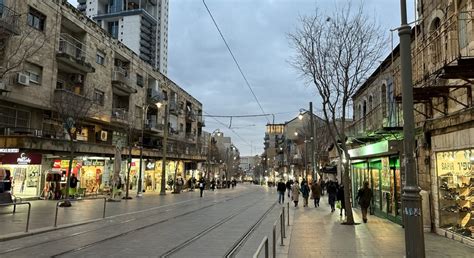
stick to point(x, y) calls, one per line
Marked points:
point(305, 192)
point(295, 193)
point(340, 198)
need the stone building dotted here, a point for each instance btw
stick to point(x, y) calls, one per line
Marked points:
point(76, 58)
point(442, 51)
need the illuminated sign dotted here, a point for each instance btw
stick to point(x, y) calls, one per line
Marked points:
point(454, 162)
point(23, 159)
point(9, 150)
point(371, 149)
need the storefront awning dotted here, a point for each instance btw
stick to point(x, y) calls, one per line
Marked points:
point(382, 148)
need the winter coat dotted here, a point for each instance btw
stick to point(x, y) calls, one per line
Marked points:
point(340, 197)
point(364, 195)
point(316, 191)
point(281, 187)
point(295, 192)
point(305, 191)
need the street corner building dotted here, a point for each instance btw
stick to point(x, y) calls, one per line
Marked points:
point(54, 54)
point(442, 61)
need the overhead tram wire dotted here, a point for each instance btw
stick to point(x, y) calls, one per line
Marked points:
point(235, 60)
point(238, 135)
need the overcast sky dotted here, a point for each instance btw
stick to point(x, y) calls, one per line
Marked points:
point(256, 31)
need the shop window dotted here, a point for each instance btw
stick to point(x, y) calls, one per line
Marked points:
point(456, 191)
point(36, 19)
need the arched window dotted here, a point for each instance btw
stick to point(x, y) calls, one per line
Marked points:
point(435, 47)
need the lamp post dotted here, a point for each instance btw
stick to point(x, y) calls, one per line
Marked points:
point(140, 184)
point(313, 138)
point(165, 146)
point(414, 236)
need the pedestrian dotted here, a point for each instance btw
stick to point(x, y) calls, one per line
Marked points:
point(281, 188)
point(323, 186)
point(288, 187)
point(305, 192)
point(295, 193)
point(340, 198)
point(364, 197)
point(202, 184)
point(73, 184)
point(332, 194)
point(316, 193)
point(213, 184)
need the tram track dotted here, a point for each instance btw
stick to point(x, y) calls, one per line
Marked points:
point(204, 232)
point(154, 213)
point(77, 249)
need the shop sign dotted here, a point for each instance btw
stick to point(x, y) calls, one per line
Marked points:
point(9, 150)
point(371, 149)
point(150, 165)
point(21, 159)
point(456, 162)
point(96, 163)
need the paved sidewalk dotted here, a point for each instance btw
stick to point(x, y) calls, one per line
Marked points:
point(316, 232)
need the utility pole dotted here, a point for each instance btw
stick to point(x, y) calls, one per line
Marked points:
point(412, 213)
point(313, 139)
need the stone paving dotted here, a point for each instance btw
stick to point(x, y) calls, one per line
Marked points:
point(316, 232)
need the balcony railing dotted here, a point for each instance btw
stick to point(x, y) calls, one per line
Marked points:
point(120, 114)
point(8, 20)
point(379, 118)
point(72, 47)
point(120, 75)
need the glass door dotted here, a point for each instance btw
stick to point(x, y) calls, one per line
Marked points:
point(376, 185)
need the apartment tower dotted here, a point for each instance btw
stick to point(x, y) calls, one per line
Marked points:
point(142, 25)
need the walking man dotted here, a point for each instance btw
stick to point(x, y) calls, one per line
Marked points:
point(202, 183)
point(305, 192)
point(364, 197)
point(316, 193)
point(340, 198)
point(281, 188)
point(332, 192)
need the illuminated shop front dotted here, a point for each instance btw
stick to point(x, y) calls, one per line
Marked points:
point(379, 164)
point(455, 177)
point(153, 171)
point(25, 171)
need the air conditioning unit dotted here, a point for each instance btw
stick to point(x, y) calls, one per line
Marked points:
point(23, 79)
point(103, 136)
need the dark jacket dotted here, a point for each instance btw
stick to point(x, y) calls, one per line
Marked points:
point(281, 187)
point(316, 190)
point(364, 197)
point(305, 190)
point(202, 183)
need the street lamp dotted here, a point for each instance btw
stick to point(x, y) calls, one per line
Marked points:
point(165, 146)
point(414, 236)
point(313, 138)
point(145, 112)
point(209, 148)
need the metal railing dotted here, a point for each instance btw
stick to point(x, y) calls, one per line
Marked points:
point(120, 114)
point(379, 117)
point(29, 211)
point(9, 19)
point(121, 75)
point(265, 240)
point(71, 46)
point(59, 202)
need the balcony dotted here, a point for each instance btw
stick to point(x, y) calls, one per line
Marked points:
point(120, 115)
point(113, 12)
point(173, 107)
point(121, 82)
point(8, 22)
point(379, 123)
point(72, 53)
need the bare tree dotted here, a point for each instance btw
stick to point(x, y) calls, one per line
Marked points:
point(336, 55)
point(72, 109)
point(128, 123)
point(23, 43)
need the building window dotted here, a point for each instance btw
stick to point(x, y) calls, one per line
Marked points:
point(138, 113)
point(100, 58)
point(10, 117)
point(139, 80)
point(34, 72)
point(36, 19)
point(99, 97)
point(112, 28)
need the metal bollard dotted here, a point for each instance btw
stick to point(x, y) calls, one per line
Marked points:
point(288, 213)
point(274, 240)
point(105, 204)
point(28, 217)
point(282, 225)
point(56, 215)
point(283, 221)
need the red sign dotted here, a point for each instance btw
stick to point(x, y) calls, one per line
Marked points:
point(21, 158)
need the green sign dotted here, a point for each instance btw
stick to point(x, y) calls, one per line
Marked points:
point(371, 149)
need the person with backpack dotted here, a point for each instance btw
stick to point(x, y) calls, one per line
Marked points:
point(202, 184)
